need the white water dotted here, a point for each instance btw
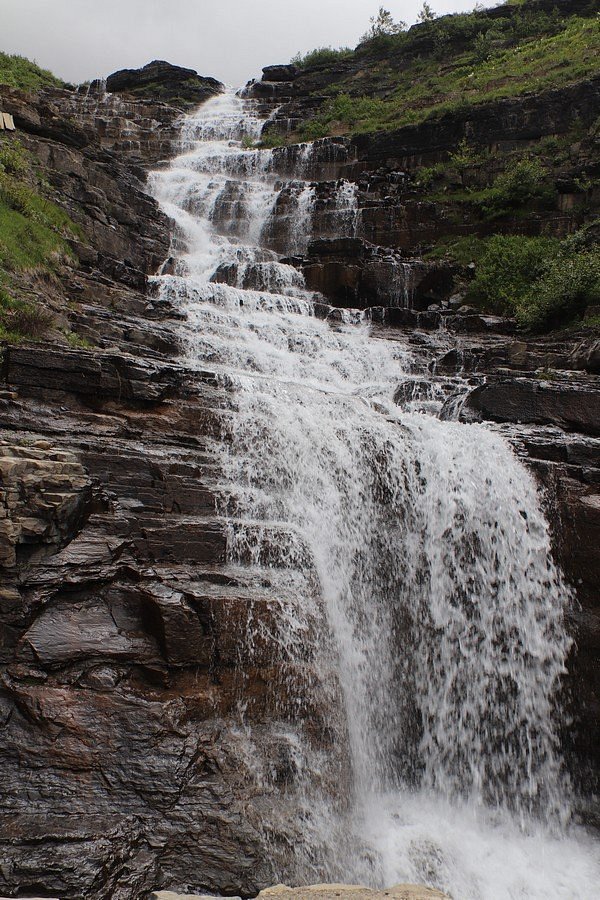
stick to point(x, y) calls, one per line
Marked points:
point(418, 609)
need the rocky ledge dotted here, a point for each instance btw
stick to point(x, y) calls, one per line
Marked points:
point(160, 80)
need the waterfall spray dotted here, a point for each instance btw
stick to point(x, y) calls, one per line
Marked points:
point(418, 611)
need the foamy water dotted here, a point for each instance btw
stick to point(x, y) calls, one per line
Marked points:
point(416, 588)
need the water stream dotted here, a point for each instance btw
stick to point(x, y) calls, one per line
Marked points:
point(419, 614)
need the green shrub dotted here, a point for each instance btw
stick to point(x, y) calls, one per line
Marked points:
point(77, 341)
point(506, 269)
point(465, 156)
point(321, 56)
point(520, 185)
point(570, 283)
point(544, 282)
point(315, 129)
point(429, 174)
point(272, 139)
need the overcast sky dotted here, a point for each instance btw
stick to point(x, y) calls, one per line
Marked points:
point(230, 39)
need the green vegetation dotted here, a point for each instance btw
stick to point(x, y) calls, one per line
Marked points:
point(18, 72)
point(394, 80)
point(321, 56)
point(544, 282)
point(381, 24)
point(271, 140)
point(521, 185)
point(33, 241)
point(77, 341)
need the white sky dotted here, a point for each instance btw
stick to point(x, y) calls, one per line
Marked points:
point(229, 39)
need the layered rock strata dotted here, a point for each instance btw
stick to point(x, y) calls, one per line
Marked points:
point(124, 650)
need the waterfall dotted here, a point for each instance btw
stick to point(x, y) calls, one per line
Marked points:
point(415, 606)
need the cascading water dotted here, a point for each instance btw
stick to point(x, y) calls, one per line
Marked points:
point(418, 612)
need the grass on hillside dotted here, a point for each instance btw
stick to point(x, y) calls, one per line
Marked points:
point(435, 83)
point(19, 72)
point(33, 240)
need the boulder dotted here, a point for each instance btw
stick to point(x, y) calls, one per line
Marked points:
point(280, 73)
point(160, 80)
point(173, 895)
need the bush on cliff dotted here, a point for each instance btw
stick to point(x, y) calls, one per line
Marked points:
point(321, 56)
point(545, 283)
point(569, 284)
point(521, 185)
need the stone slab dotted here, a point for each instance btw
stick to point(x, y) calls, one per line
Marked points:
point(352, 892)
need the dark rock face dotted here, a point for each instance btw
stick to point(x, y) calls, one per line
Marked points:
point(285, 72)
point(352, 273)
point(122, 630)
point(125, 235)
point(122, 633)
point(571, 406)
point(520, 118)
point(160, 80)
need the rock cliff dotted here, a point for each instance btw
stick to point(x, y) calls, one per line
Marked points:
point(123, 628)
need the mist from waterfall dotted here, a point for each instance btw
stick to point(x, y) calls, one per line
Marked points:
point(418, 612)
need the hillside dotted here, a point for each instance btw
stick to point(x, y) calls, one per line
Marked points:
point(448, 64)
point(484, 128)
point(19, 72)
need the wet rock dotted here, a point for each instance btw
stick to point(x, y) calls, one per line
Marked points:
point(68, 632)
point(412, 389)
point(353, 273)
point(45, 498)
point(467, 321)
point(573, 406)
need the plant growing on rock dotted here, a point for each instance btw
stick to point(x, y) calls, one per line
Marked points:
point(427, 14)
point(545, 283)
point(464, 156)
point(320, 56)
point(382, 24)
point(520, 185)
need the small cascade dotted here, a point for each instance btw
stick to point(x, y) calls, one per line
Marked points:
point(404, 284)
point(346, 204)
point(415, 609)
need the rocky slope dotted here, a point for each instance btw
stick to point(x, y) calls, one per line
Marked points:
point(123, 628)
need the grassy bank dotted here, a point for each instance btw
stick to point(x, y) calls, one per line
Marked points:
point(34, 235)
point(450, 64)
point(18, 72)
